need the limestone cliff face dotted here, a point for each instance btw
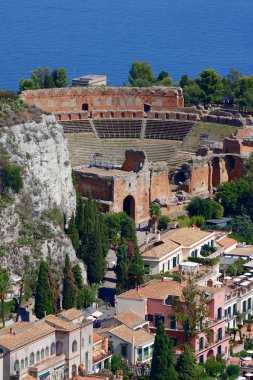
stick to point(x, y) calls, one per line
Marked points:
point(41, 150)
point(28, 230)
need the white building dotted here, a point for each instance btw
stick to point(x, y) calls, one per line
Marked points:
point(173, 247)
point(47, 349)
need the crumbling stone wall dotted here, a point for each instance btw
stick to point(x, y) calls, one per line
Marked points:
point(108, 98)
point(224, 120)
point(205, 173)
point(140, 180)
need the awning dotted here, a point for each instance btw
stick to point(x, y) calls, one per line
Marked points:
point(97, 314)
point(59, 366)
point(44, 375)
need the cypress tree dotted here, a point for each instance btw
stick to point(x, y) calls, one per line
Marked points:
point(73, 234)
point(78, 276)
point(79, 219)
point(79, 283)
point(122, 266)
point(162, 355)
point(45, 294)
point(186, 366)
point(70, 290)
point(95, 242)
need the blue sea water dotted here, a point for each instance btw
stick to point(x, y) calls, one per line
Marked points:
point(106, 36)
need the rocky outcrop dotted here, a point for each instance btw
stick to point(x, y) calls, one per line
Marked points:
point(31, 223)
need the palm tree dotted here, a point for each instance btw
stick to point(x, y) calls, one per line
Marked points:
point(5, 288)
point(155, 212)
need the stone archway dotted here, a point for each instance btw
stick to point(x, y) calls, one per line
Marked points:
point(230, 166)
point(129, 206)
point(216, 178)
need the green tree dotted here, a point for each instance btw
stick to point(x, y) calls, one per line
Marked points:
point(155, 213)
point(70, 290)
point(233, 196)
point(77, 273)
point(12, 177)
point(244, 92)
point(193, 94)
point(162, 355)
point(27, 84)
point(73, 234)
point(233, 370)
point(192, 310)
point(45, 296)
point(41, 76)
point(243, 226)
point(184, 81)
point(117, 363)
point(186, 366)
point(5, 288)
point(141, 75)
point(214, 367)
point(231, 83)
point(211, 84)
point(89, 295)
point(208, 208)
point(122, 267)
point(163, 222)
point(163, 79)
point(59, 77)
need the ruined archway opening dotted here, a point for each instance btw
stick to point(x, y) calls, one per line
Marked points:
point(129, 206)
point(216, 180)
point(230, 165)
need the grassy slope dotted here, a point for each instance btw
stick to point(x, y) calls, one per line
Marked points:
point(215, 132)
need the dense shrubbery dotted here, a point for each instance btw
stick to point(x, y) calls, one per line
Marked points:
point(205, 261)
point(208, 88)
point(207, 208)
point(12, 177)
point(42, 78)
point(163, 222)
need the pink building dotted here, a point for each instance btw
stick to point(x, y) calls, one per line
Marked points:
point(154, 300)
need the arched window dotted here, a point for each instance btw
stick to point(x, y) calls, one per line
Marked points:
point(52, 350)
point(26, 362)
point(74, 346)
point(42, 354)
point(16, 366)
point(47, 352)
point(22, 366)
point(37, 356)
point(31, 359)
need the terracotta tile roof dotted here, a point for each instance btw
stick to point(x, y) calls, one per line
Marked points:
point(188, 236)
point(125, 333)
point(59, 323)
point(151, 251)
point(227, 242)
point(26, 335)
point(157, 289)
point(242, 251)
point(96, 338)
point(130, 318)
point(15, 327)
point(71, 314)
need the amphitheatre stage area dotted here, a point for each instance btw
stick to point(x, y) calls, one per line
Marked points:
point(100, 124)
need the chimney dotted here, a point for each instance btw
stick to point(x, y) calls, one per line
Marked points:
point(158, 235)
point(147, 237)
point(11, 331)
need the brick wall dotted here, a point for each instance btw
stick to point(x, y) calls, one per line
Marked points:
point(109, 98)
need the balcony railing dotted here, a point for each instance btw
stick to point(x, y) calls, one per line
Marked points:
point(216, 341)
